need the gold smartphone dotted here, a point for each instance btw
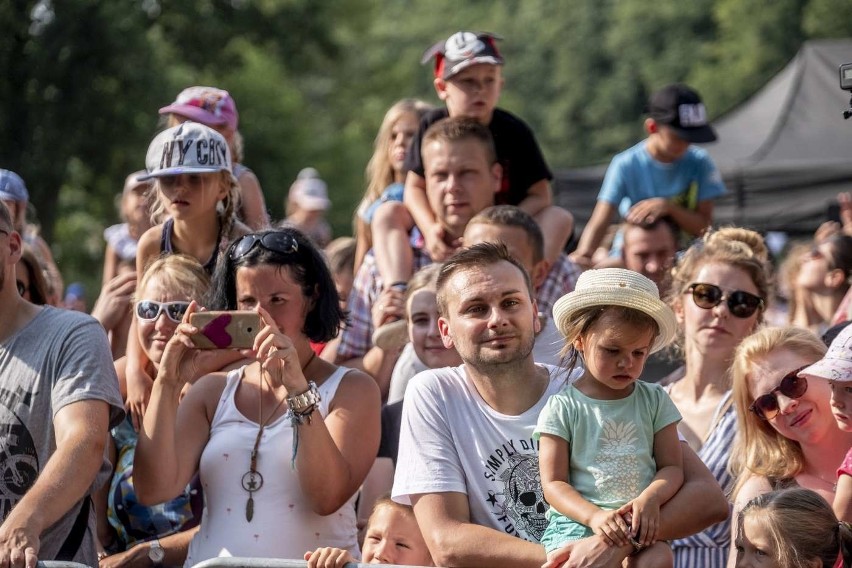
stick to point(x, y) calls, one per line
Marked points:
point(225, 330)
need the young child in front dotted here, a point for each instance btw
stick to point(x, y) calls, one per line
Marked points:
point(792, 528)
point(836, 368)
point(468, 78)
point(392, 537)
point(663, 175)
point(609, 451)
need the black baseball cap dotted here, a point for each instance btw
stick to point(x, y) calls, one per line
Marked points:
point(680, 108)
point(461, 50)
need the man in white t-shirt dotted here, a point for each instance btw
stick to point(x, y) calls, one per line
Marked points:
point(467, 460)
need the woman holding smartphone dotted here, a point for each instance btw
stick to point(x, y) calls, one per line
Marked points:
point(284, 440)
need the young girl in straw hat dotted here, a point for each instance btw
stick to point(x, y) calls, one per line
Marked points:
point(609, 452)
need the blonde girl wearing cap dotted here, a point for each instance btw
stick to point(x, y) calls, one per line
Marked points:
point(196, 193)
point(609, 452)
point(217, 109)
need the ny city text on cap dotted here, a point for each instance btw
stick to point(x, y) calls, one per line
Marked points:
point(207, 105)
point(462, 50)
point(12, 187)
point(680, 108)
point(188, 148)
point(617, 287)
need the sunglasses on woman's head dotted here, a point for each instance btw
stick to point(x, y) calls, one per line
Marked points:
point(149, 310)
point(741, 304)
point(276, 242)
point(792, 386)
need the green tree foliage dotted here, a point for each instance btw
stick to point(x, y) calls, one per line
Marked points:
point(313, 78)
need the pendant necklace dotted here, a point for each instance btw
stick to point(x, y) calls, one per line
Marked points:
point(252, 479)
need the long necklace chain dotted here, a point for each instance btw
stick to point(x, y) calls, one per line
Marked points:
point(252, 480)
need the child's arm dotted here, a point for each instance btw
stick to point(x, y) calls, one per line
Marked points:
point(553, 461)
point(693, 222)
point(645, 509)
point(139, 383)
point(594, 233)
point(843, 499)
point(843, 496)
point(418, 206)
point(539, 196)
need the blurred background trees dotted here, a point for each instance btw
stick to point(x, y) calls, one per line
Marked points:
point(313, 78)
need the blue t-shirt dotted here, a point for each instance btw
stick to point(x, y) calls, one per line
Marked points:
point(633, 175)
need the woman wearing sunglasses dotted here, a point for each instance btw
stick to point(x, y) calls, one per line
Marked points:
point(133, 534)
point(787, 434)
point(718, 294)
point(284, 441)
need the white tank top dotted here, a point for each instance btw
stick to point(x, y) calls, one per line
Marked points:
point(283, 525)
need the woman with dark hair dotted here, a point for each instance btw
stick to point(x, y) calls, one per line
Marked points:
point(283, 442)
point(32, 285)
point(821, 282)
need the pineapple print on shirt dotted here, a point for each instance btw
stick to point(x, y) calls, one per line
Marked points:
point(616, 470)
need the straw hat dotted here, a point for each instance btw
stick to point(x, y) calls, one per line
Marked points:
point(617, 287)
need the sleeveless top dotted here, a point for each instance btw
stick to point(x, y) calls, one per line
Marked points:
point(284, 526)
point(166, 245)
point(710, 547)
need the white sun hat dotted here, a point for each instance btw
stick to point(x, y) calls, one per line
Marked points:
point(617, 287)
point(837, 363)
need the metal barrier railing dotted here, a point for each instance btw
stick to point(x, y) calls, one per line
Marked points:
point(233, 562)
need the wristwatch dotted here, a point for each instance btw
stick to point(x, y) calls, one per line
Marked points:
point(301, 402)
point(156, 553)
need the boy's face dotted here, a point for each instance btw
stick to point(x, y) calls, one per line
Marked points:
point(664, 144)
point(460, 182)
point(472, 92)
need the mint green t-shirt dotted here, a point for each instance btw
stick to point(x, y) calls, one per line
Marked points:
point(611, 441)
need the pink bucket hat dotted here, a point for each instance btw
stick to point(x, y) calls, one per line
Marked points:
point(837, 363)
point(208, 105)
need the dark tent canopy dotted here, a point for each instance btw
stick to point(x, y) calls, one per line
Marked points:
point(784, 153)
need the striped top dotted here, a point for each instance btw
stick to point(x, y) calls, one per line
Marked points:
point(710, 547)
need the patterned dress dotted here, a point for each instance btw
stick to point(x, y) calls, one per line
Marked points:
point(710, 547)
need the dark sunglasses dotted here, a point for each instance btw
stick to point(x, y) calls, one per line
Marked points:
point(149, 310)
point(792, 386)
point(22, 288)
point(740, 304)
point(276, 242)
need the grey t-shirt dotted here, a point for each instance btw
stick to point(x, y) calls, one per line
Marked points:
point(58, 358)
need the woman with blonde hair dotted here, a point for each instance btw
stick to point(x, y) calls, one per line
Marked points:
point(718, 292)
point(385, 174)
point(787, 434)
